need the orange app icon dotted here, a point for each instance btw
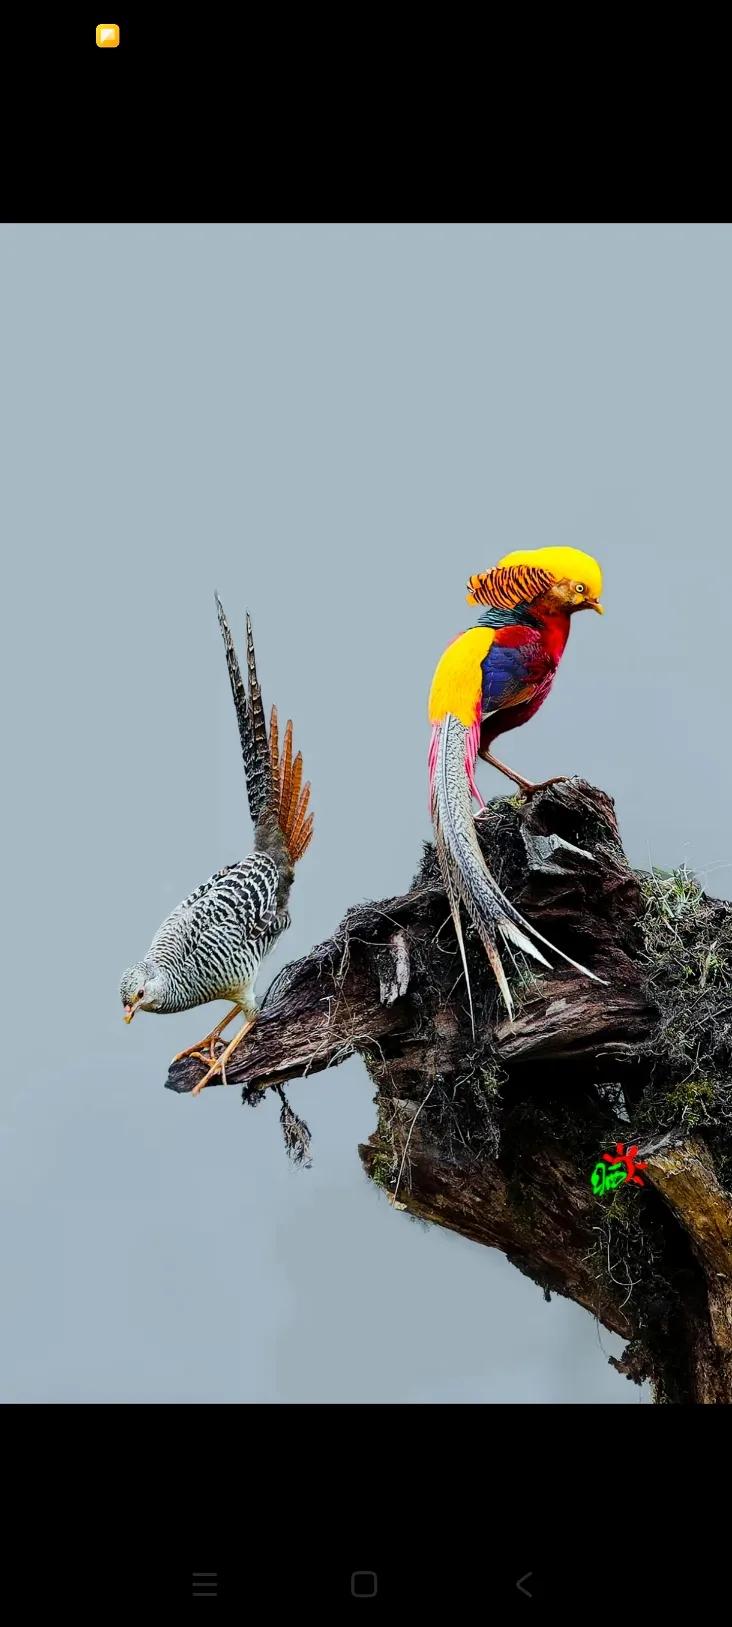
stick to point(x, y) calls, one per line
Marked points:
point(107, 34)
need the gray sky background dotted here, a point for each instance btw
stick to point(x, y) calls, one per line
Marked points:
point(333, 426)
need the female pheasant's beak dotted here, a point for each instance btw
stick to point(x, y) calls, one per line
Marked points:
point(129, 1011)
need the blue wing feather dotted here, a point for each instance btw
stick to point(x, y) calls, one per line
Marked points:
point(508, 674)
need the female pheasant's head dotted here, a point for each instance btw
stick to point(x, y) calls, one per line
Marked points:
point(564, 579)
point(141, 988)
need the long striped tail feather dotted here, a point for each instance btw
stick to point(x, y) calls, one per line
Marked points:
point(273, 775)
point(249, 716)
point(491, 949)
point(465, 873)
point(259, 769)
point(453, 898)
point(235, 678)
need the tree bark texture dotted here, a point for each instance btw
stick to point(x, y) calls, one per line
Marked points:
point(497, 1136)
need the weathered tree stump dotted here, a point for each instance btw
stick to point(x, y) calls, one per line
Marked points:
point(497, 1137)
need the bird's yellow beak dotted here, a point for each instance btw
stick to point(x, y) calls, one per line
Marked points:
point(593, 604)
point(129, 1011)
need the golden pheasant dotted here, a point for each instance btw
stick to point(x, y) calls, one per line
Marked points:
point(490, 679)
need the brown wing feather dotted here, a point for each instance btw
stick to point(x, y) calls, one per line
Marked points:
point(295, 783)
point(290, 797)
point(286, 769)
point(300, 812)
point(303, 841)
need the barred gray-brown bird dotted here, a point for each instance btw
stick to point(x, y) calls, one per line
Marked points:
point(212, 946)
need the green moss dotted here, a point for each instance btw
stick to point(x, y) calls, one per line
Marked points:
point(524, 982)
point(382, 1171)
point(692, 1100)
point(491, 1078)
point(671, 896)
point(687, 940)
point(687, 937)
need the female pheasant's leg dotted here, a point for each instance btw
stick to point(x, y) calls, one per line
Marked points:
point(220, 1064)
point(529, 787)
point(209, 1039)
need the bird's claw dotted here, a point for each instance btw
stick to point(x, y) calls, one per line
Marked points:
point(196, 1091)
point(218, 1065)
point(213, 1065)
point(195, 1050)
point(529, 789)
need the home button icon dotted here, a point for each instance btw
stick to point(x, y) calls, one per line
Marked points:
point(364, 1584)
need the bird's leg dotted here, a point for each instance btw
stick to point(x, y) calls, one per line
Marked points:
point(529, 788)
point(209, 1039)
point(220, 1064)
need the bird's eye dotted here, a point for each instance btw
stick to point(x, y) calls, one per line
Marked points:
point(140, 993)
point(579, 587)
